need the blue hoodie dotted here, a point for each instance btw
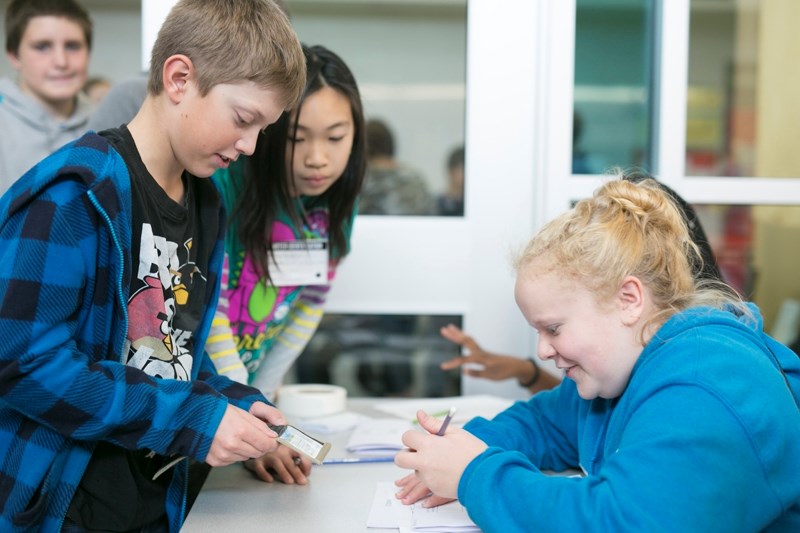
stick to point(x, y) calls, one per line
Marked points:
point(706, 437)
point(65, 260)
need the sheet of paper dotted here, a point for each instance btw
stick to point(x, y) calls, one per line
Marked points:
point(386, 509)
point(467, 407)
point(449, 517)
point(379, 436)
point(443, 529)
point(329, 424)
point(387, 512)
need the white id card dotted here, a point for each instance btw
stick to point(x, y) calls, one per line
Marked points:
point(303, 443)
point(302, 262)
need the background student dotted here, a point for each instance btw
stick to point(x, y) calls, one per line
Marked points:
point(391, 187)
point(120, 104)
point(296, 192)
point(110, 253)
point(497, 367)
point(47, 43)
point(450, 203)
point(96, 88)
point(681, 412)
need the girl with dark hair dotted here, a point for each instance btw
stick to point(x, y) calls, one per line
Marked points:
point(291, 207)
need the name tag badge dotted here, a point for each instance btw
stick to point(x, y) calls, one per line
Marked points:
point(299, 263)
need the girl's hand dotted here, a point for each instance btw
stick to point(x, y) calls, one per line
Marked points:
point(284, 464)
point(479, 363)
point(438, 462)
point(413, 490)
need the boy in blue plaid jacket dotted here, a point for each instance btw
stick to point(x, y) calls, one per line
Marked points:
point(110, 252)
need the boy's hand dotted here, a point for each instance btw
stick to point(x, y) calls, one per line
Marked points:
point(267, 413)
point(241, 435)
point(284, 465)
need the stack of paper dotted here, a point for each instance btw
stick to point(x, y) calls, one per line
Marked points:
point(387, 512)
point(378, 436)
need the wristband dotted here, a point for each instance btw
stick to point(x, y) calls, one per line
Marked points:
point(535, 377)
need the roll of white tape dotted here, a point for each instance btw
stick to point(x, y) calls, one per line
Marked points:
point(311, 400)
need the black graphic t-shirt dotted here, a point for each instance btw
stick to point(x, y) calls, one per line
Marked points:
point(171, 247)
point(168, 281)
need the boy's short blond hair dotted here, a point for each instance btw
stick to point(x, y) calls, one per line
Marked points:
point(232, 41)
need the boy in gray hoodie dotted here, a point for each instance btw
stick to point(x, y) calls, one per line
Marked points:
point(47, 43)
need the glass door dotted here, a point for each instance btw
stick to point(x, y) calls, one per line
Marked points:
point(716, 122)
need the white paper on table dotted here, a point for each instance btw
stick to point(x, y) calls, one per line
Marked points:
point(448, 517)
point(467, 407)
point(442, 529)
point(386, 509)
point(329, 423)
point(379, 436)
point(438, 530)
point(387, 512)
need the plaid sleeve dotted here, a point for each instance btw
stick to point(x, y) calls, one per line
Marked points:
point(238, 394)
point(58, 312)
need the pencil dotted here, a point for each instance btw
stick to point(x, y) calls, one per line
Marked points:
point(447, 420)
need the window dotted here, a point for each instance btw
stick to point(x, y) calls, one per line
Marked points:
point(382, 356)
point(613, 95)
point(414, 107)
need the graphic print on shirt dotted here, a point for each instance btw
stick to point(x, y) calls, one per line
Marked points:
point(166, 275)
point(258, 311)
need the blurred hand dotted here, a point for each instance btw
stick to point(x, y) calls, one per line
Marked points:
point(482, 364)
point(284, 464)
point(438, 462)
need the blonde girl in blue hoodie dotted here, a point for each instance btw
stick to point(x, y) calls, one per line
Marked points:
point(680, 412)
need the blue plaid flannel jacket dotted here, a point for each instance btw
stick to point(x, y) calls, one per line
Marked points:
point(65, 260)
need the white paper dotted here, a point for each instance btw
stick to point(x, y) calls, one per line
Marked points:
point(386, 509)
point(467, 407)
point(387, 512)
point(449, 517)
point(329, 423)
point(379, 436)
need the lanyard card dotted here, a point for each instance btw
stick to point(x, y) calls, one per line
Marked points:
point(297, 263)
point(303, 443)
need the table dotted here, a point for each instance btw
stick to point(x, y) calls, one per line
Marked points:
point(337, 498)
